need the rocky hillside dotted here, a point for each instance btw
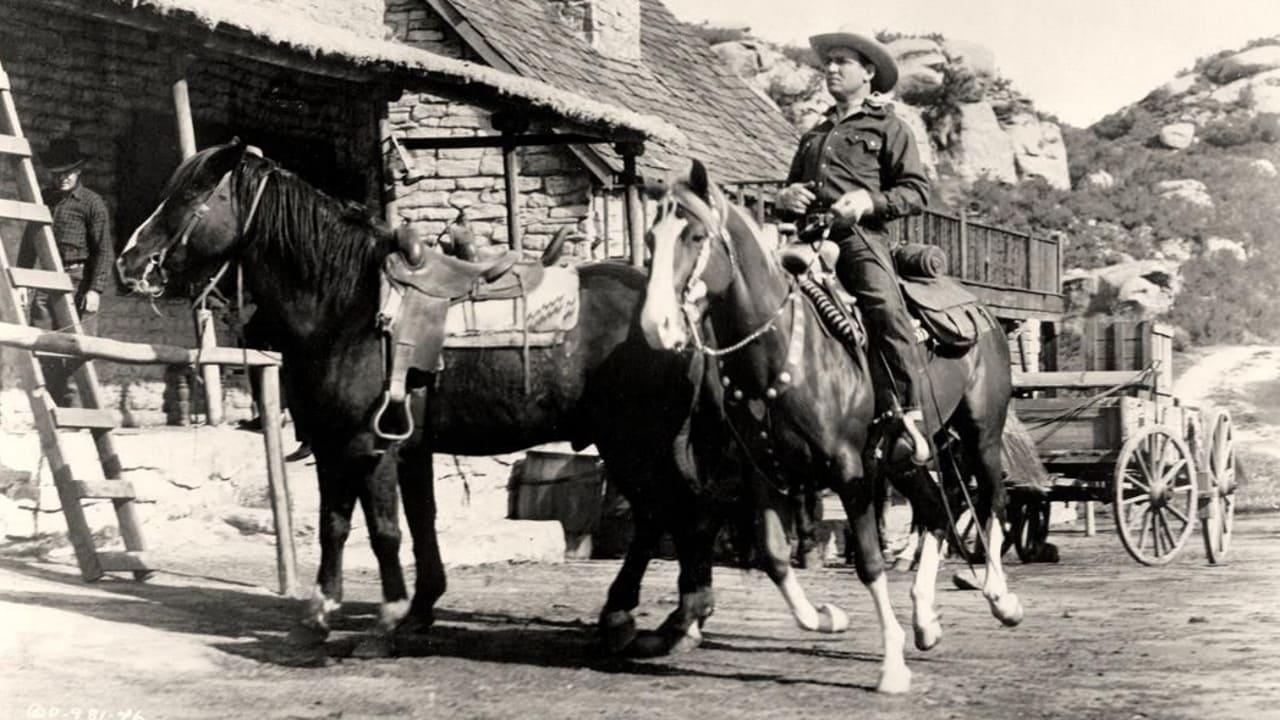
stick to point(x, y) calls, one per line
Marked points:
point(1168, 208)
point(969, 122)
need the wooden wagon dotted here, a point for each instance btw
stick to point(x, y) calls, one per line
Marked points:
point(1115, 433)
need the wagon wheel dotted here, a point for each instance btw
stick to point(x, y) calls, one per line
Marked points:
point(1155, 494)
point(1220, 462)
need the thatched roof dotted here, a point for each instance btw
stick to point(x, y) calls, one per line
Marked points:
point(319, 40)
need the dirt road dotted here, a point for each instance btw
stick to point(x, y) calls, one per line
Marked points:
point(1103, 638)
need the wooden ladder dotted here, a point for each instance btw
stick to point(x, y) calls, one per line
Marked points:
point(49, 418)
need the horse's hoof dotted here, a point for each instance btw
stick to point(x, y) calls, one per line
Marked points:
point(964, 582)
point(1007, 609)
point(686, 641)
point(929, 635)
point(832, 619)
point(414, 625)
point(307, 634)
point(372, 647)
point(617, 630)
point(894, 681)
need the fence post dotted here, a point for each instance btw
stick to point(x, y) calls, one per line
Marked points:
point(281, 507)
point(964, 247)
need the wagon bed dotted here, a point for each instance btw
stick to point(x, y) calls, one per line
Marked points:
point(1117, 435)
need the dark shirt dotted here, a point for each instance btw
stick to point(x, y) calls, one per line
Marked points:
point(81, 230)
point(871, 149)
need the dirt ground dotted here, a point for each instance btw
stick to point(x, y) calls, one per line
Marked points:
point(1103, 637)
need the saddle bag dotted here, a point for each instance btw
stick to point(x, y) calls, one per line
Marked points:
point(951, 315)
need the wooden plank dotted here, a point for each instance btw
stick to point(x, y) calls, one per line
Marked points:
point(25, 211)
point(281, 505)
point(1065, 380)
point(106, 489)
point(135, 561)
point(84, 419)
point(4, 81)
point(88, 346)
point(13, 145)
point(48, 280)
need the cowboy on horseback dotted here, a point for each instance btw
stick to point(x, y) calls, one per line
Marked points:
point(853, 173)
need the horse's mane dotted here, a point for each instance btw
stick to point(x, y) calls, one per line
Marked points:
point(734, 214)
point(312, 239)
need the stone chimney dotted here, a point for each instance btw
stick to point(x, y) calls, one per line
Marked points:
point(612, 27)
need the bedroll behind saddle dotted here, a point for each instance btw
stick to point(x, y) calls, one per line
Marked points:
point(948, 315)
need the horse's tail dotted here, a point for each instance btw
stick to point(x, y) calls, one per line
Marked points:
point(1018, 454)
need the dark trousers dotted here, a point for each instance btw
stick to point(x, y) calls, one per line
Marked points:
point(866, 270)
point(58, 371)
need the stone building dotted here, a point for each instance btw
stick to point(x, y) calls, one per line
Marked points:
point(320, 84)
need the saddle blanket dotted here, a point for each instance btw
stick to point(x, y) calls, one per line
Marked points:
point(538, 319)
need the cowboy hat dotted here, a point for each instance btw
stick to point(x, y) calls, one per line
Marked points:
point(876, 53)
point(63, 155)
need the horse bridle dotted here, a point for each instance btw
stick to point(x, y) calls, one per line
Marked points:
point(155, 263)
point(716, 221)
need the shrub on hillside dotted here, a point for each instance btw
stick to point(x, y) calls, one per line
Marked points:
point(1225, 300)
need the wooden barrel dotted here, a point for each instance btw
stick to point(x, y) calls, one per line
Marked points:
point(568, 487)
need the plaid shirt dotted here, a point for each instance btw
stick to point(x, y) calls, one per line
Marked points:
point(872, 149)
point(82, 230)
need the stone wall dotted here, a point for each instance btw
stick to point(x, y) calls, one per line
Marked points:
point(109, 86)
point(555, 188)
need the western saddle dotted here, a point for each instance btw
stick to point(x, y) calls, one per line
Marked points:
point(418, 287)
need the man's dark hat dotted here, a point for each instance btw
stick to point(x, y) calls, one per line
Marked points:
point(63, 155)
point(876, 53)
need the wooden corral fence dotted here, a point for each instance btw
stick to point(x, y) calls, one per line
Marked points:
point(265, 364)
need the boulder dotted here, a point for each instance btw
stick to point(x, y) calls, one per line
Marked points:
point(1178, 136)
point(1256, 93)
point(920, 65)
point(1038, 150)
point(1180, 85)
point(1244, 64)
point(1263, 167)
point(984, 148)
point(1142, 288)
point(1175, 249)
point(1214, 244)
point(912, 117)
point(1099, 179)
point(1189, 191)
point(740, 57)
point(977, 58)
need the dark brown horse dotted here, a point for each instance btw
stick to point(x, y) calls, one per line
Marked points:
point(802, 405)
point(313, 265)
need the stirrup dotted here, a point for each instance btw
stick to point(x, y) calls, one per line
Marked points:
point(920, 454)
point(405, 411)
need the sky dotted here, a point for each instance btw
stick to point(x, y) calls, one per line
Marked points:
point(1076, 59)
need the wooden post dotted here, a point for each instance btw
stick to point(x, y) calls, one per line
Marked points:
point(281, 507)
point(182, 107)
point(205, 335)
point(964, 249)
point(634, 206)
point(390, 201)
point(1090, 519)
point(511, 176)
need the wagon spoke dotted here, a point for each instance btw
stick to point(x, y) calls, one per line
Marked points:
point(1181, 515)
point(1169, 539)
point(1142, 531)
point(1172, 472)
point(1132, 478)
